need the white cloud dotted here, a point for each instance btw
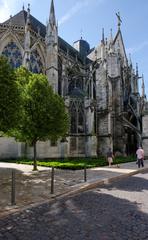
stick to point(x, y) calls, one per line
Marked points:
point(8, 7)
point(76, 8)
point(4, 10)
point(137, 48)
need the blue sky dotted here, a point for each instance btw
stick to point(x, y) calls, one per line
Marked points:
point(88, 17)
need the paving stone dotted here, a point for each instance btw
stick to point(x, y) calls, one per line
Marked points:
point(110, 213)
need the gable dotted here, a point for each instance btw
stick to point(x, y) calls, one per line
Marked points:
point(119, 44)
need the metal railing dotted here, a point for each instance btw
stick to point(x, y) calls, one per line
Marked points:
point(19, 188)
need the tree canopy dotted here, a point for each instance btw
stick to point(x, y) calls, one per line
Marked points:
point(43, 114)
point(9, 97)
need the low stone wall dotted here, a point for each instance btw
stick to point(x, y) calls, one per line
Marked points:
point(9, 148)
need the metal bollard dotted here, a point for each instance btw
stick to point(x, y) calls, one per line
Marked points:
point(13, 188)
point(85, 174)
point(52, 180)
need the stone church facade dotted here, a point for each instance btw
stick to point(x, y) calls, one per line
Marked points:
point(99, 87)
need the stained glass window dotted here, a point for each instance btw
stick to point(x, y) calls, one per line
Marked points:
point(13, 53)
point(36, 65)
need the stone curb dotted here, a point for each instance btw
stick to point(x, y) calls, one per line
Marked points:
point(82, 187)
point(93, 184)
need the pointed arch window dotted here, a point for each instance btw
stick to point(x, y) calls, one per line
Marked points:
point(36, 65)
point(13, 53)
point(77, 116)
point(75, 82)
point(75, 78)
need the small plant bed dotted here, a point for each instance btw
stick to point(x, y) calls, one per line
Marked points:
point(74, 163)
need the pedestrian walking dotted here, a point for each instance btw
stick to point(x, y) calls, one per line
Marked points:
point(140, 157)
point(110, 157)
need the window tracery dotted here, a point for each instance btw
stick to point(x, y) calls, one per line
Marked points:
point(36, 65)
point(13, 53)
point(77, 116)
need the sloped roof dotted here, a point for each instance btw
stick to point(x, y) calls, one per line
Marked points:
point(20, 20)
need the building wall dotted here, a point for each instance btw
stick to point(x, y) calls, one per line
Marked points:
point(145, 133)
point(101, 79)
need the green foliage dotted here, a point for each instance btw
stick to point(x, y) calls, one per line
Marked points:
point(22, 78)
point(76, 163)
point(22, 75)
point(9, 97)
point(43, 115)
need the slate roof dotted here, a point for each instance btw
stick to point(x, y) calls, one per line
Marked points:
point(20, 19)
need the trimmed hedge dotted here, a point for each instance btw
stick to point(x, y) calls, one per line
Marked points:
point(73, 163)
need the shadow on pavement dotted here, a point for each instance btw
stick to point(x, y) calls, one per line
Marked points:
point(89, 216)
point(135, 183)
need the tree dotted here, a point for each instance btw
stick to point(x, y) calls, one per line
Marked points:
point(43, 114)
point(9, 97)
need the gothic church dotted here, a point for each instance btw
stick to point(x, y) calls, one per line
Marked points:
point(99, 87)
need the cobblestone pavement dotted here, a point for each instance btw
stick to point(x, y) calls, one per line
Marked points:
point(33, 187)
point(117, 211)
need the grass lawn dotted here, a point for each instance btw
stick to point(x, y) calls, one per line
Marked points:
point(74, 163)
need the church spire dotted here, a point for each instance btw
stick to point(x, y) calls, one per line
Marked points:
point(111, 45)
point(102, 46)
point(28, 16)
point(143, 87)
point(51, 40)
point(27, 41)
point(103, 41)
point(51, 30)
point(111, 35)
point(136, 78)
point(52, 18)
point(137, 71)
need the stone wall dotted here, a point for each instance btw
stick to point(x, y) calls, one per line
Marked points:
point(9, 148)
point(145, 133)
point(80, 146)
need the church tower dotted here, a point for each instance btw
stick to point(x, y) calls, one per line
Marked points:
point(51, 41)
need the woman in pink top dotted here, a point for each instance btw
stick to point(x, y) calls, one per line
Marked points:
point(140, 156)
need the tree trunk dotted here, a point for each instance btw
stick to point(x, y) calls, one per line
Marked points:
point(34, 157)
